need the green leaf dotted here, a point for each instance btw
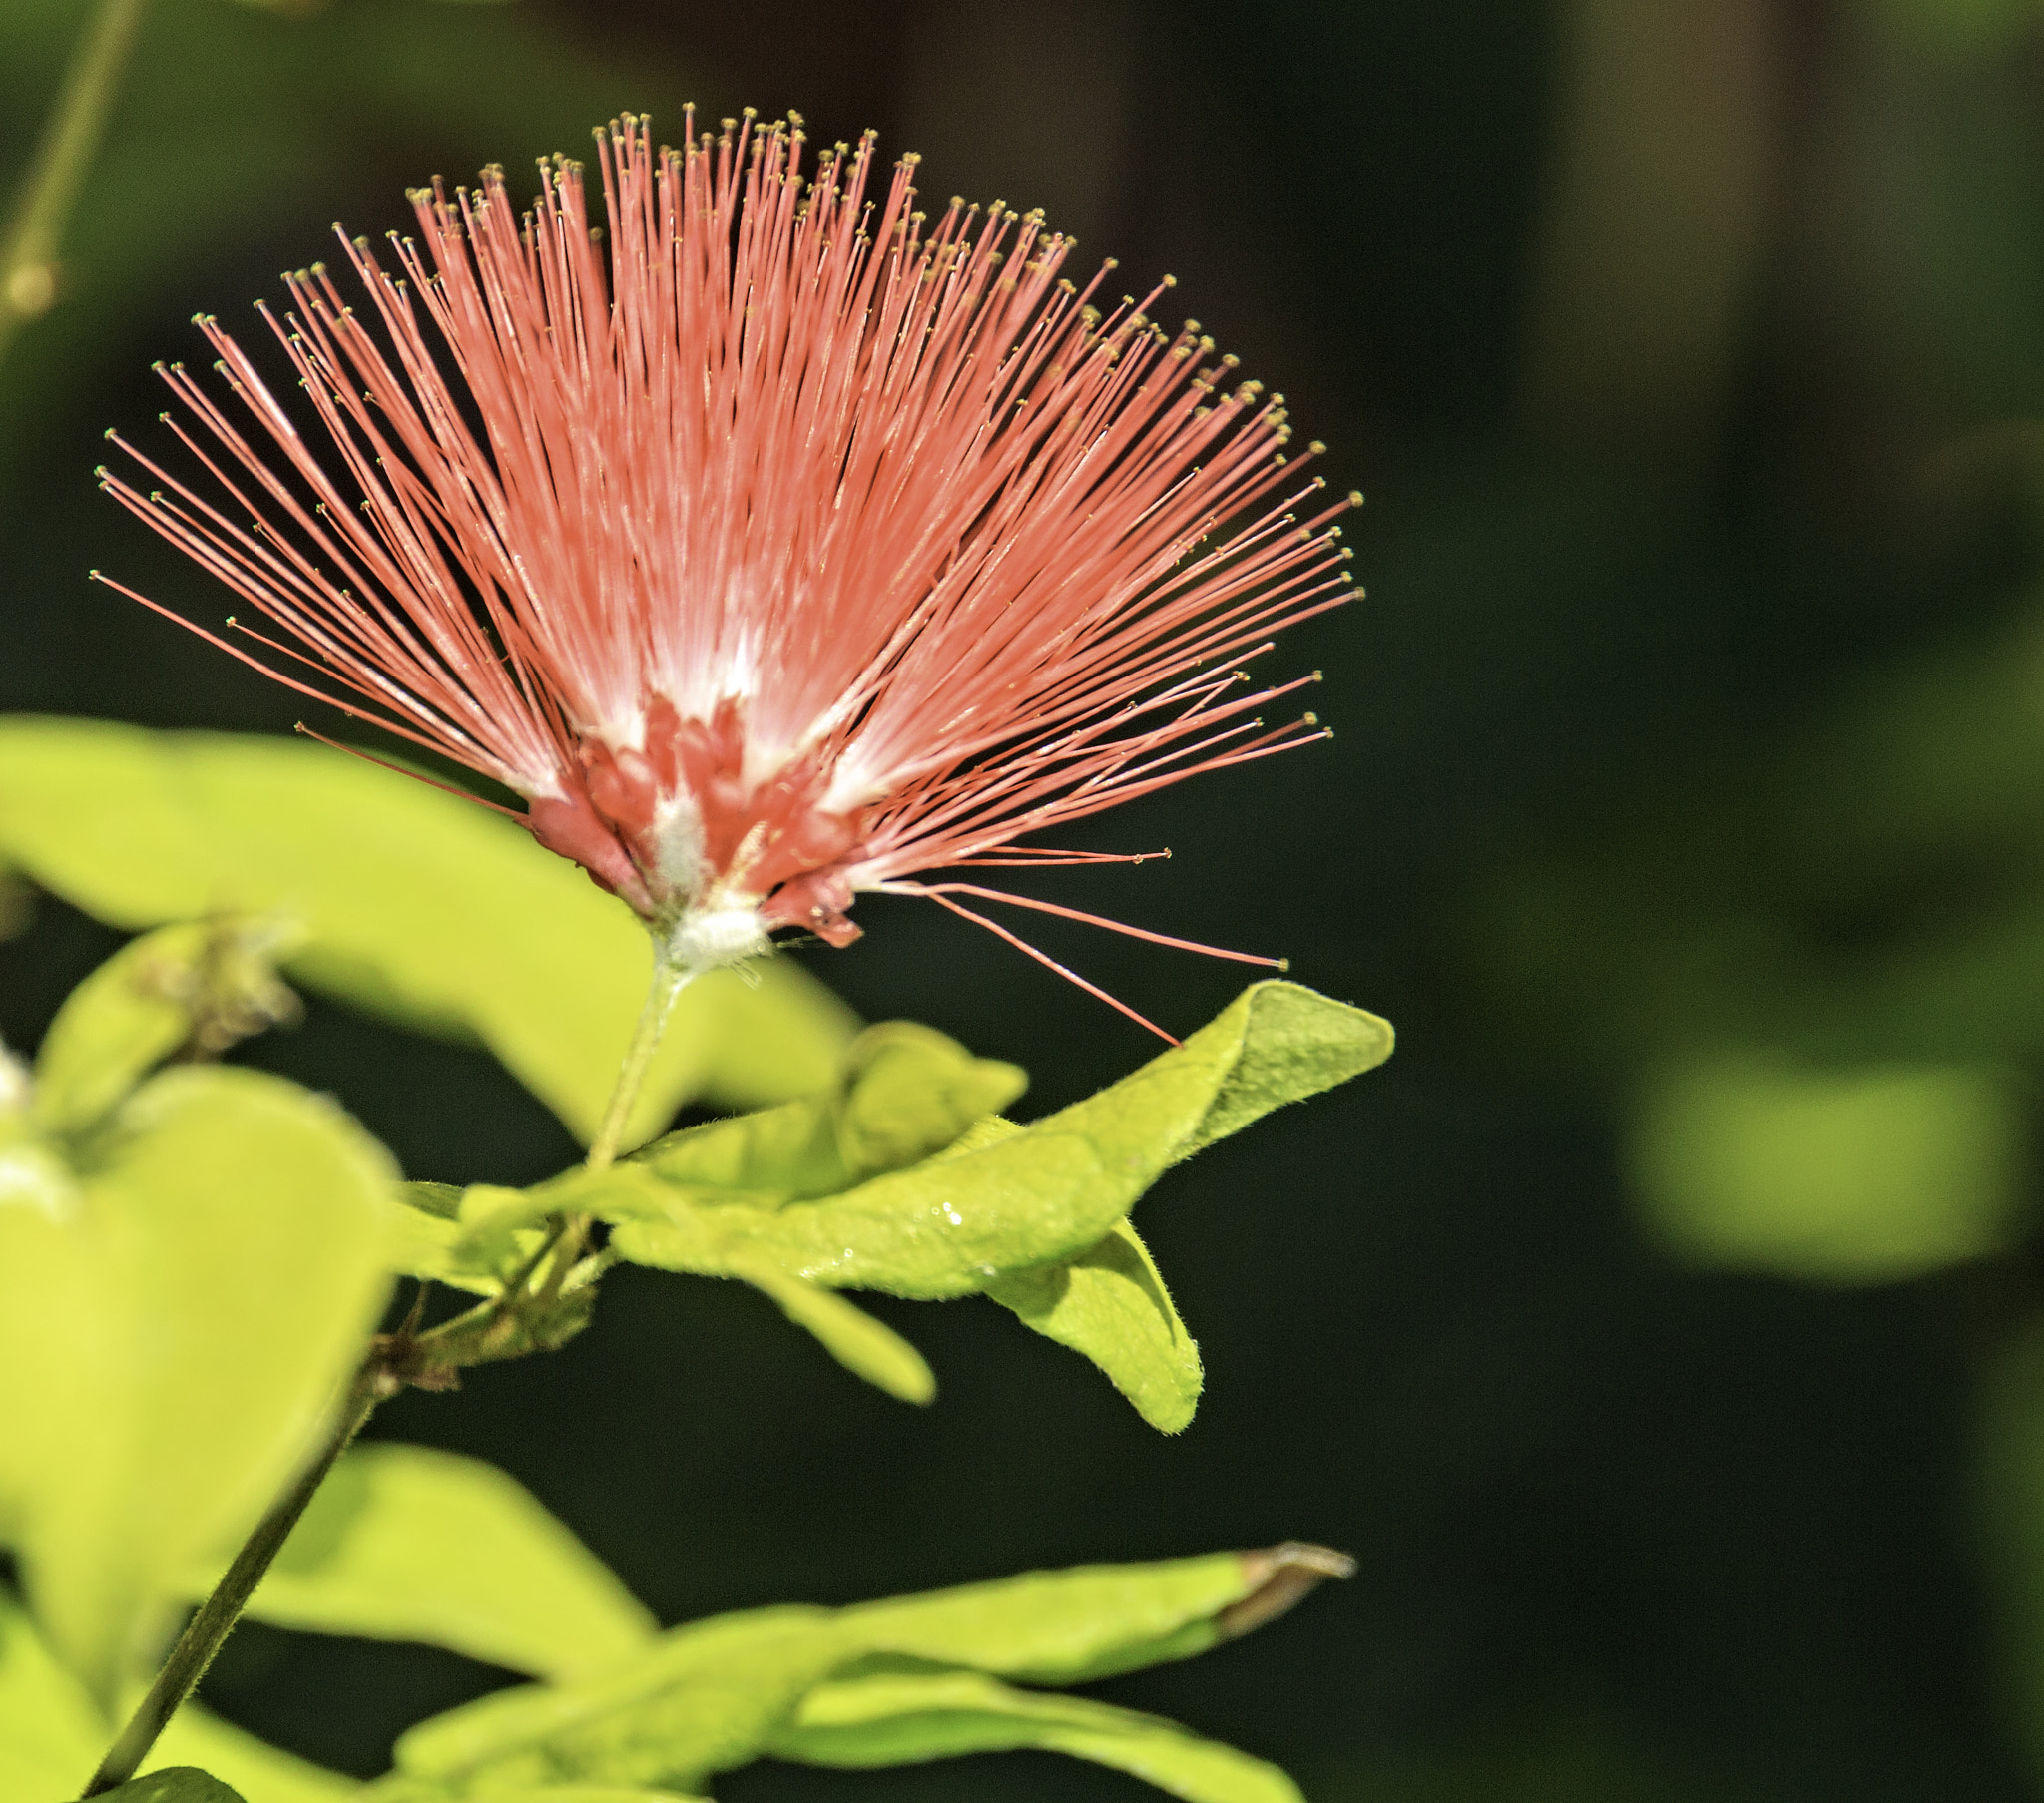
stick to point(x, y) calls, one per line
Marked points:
point(715, 1694)
point(902, 1094)
point(1277, 1043)
point(702, 1700)
point(892, 1719)
point(426, 1236)
point(905, 1092)
point(863, 1346)
point(197, 1295)
point(262, 1773)
point(908, 1092)
point(997, 1203)
point(1110, 1305)
point(414, 903)
point(1092, 1622)
point(175, 1784)
point(404, 1542)
point(200, 983)
point(50, 1735)
point(497, 1229)
point(1846, 1176)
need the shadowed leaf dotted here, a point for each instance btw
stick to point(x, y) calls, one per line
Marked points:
point(203, 984)
point(173, 1784)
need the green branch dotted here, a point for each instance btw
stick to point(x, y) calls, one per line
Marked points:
point(56, 170)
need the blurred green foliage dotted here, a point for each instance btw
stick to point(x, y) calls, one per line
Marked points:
point(1868, 1177)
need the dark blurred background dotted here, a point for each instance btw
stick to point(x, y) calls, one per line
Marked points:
point(1661, 1328)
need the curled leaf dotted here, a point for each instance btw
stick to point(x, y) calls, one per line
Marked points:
point(1281, 1578)
point(947, 1225)
point(1110, 1305)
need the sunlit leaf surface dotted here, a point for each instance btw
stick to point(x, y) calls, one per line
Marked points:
point(1033, 1216)
point(195, 1287)
point(50, 1735)
point(947, 1224)
point(718, 1694)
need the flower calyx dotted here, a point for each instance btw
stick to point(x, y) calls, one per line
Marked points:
point(711, 859)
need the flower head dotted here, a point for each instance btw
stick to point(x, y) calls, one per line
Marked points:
point(777, 546)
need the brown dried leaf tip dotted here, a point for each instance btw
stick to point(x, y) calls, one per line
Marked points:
point(1280, 1577)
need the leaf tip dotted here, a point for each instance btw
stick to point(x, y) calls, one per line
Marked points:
point(1280, 1579)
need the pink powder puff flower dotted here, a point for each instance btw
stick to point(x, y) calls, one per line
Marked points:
point(815, 548)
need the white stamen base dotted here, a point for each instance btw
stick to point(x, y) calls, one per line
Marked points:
point(707, 938)
point(678, 843)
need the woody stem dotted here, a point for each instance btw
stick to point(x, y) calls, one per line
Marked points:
point(217, 1617)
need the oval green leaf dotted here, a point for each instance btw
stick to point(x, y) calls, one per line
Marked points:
point(199, 1299)
point(703, 1699)
point(715, 1695)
